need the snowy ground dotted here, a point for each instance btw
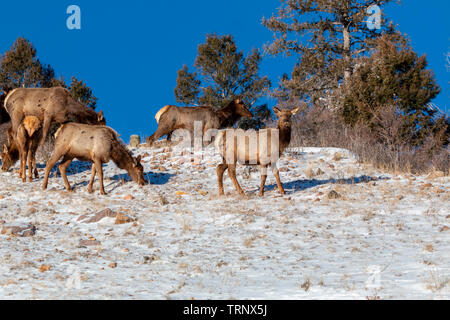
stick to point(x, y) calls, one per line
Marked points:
point(386, 237)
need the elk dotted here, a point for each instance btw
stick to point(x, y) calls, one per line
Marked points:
point(171, 118)
point(11, 153)
point(26, 142)
point(48, 105)
point(263, 148)
point(96, 144)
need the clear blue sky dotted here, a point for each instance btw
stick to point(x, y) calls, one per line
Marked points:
point(129, 51)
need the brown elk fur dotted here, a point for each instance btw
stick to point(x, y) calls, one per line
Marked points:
point(49, 105)
point(23, 146)
point(240, 151)
point(171, 118)
point(96, 144)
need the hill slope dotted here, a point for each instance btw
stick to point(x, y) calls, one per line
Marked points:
point(383, 236)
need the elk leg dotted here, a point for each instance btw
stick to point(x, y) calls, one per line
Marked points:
point(91, 182)
point(30, 165)
point(23, 165)
point(277, 177)
point(45, 129)
point(99, 169)
point(263, 179)
point(161, 131)
point(33, 158)
point(62, 169)
point(232, 174)
point(49, 166)
point(220, 170)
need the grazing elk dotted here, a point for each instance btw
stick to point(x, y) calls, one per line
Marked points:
point(11, 153)
point(26, 142)
point(263, 148)
point(171, 118)
point(96, 144)
point(48, 105)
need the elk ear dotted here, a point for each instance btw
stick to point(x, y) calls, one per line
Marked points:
point(276, 111)
point(100, 116)
point(5, 148)
point(295, 111)
point(138, 160)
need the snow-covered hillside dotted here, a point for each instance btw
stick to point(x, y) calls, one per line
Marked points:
point(376, 236)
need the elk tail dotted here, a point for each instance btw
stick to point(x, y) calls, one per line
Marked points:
point(160, 113)
point(31, 125)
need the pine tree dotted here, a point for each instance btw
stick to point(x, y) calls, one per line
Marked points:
point(20, 67)
point(223, 73)
point(393, 76)
point(326, 36)
point(81, 92)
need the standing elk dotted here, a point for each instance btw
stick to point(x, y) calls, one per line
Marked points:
point(27, 136)
point(26, 142)
point(48, 105)
point(266, 144)
point(96, 144)
point(171, 118)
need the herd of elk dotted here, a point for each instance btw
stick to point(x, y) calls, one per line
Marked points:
point(83, 135)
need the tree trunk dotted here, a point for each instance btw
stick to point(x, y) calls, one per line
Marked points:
point(347, 53)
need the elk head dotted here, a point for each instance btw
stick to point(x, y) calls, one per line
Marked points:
point(8, 158)
point(101, 119)
point(284, 117)
point(242, 110)
point(136, 171)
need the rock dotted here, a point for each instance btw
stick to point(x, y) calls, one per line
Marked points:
point(19, 231)
point(96, 217)
point(162, 169)
point(444, 228)
point(181, 193)
point(435, 174)
point(203, 193)
point(122, 219)
point(425, 186)
point(113, 265)
point(128, 197)
point(333, 195)
point(319, 172)
point(44, 268)
point(135, 141)
point(2, 221)
point(90, 243)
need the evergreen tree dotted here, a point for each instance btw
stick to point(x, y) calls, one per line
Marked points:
point(81, 92)
point(223, 73)
point(326, 36)
point(392, 76)
point(20, 67)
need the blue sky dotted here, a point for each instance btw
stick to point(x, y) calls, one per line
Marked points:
point(129, 52)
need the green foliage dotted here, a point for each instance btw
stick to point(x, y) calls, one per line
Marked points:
point(393, 76)
point(82, 93)
point(325, 35)
point(20, 67)
point(222, 73)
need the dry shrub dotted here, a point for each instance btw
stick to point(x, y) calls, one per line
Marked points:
point(386, 145)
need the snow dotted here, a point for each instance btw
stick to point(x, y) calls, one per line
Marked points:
point(386, 237)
